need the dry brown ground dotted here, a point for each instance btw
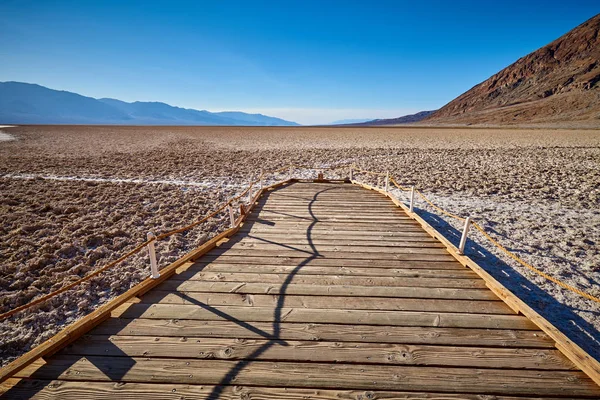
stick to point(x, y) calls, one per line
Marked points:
point(537, 190)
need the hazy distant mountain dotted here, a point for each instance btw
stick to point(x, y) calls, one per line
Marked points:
point(558, 83)
point(25, 103)
point(407, 119)
point(254, 119)
point(349, 121)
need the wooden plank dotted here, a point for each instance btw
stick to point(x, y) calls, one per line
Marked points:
point(312, 351)
point(260, 239)
point(575, 353)
point(328, 290)
point(302, 226)
point(328, 238)
point(329, 316)
point(410, 248)
point(337, 332)
point(325, 219)
point(378, 281)
point(318, 231)
point(438, 254)
point(325, 270)
point(311, 211)
point(321, 262)
point(318, 375)
point(58, 389)
point(352, 303)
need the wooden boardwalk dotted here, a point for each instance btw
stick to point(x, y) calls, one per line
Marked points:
point(328, 291)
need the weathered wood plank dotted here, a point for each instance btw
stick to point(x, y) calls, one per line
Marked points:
point(328, 238)
point(413, 255)
point(317, 375)
point(330, 316)
point(328, 290)
point(406, 249)
point(315, 214)
point(297, 223)
point(318, 231)
point(59, 390)
point(322, 262)
point(352, 303)
point(378, 281)
point(312, 351)
point(337, 332)
point(216, 266)
point(259, 240)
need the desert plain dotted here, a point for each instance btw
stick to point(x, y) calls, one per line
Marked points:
point(73, 198)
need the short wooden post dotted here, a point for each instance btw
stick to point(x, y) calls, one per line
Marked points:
point(463, 238)
point(152, 253)
point(412, 198)
point(387, 180)
point(351, 173)
point(261, 179)
point(231, 216)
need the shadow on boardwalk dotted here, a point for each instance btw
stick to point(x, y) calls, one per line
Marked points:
point(561, 316)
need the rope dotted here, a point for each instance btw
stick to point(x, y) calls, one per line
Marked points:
point(494, 242)
point(398, 186)
point(122, 258)
point(532, 268)
point(72, 284)
point(438, 208)
point(233, 199)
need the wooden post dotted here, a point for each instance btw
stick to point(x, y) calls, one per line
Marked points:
point(412, 198)
point(351, 173)
point(152, 253)
point(387, 180)
point(231, 216)
point(463, 238)
point(261, 179)
point(290, 173)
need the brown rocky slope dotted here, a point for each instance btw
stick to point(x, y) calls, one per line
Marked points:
point(555, 84)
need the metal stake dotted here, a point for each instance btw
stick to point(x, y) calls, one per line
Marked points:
point(412, 198)
point(152, 253)
point(463, 238)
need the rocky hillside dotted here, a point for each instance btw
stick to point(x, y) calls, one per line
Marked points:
point(558, 83)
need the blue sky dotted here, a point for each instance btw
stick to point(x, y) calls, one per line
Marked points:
point(308, 61)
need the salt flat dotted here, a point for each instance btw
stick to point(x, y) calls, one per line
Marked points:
point(536, 190)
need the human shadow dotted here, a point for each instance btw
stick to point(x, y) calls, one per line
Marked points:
point(275, 340)
point(584, 334)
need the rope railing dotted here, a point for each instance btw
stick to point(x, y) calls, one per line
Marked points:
point(247, 191)
point(152, 238)
point(467, 221)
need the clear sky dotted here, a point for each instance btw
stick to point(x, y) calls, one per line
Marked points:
point(307, 61)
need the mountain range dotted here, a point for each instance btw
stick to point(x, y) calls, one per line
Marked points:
point(25, 103)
